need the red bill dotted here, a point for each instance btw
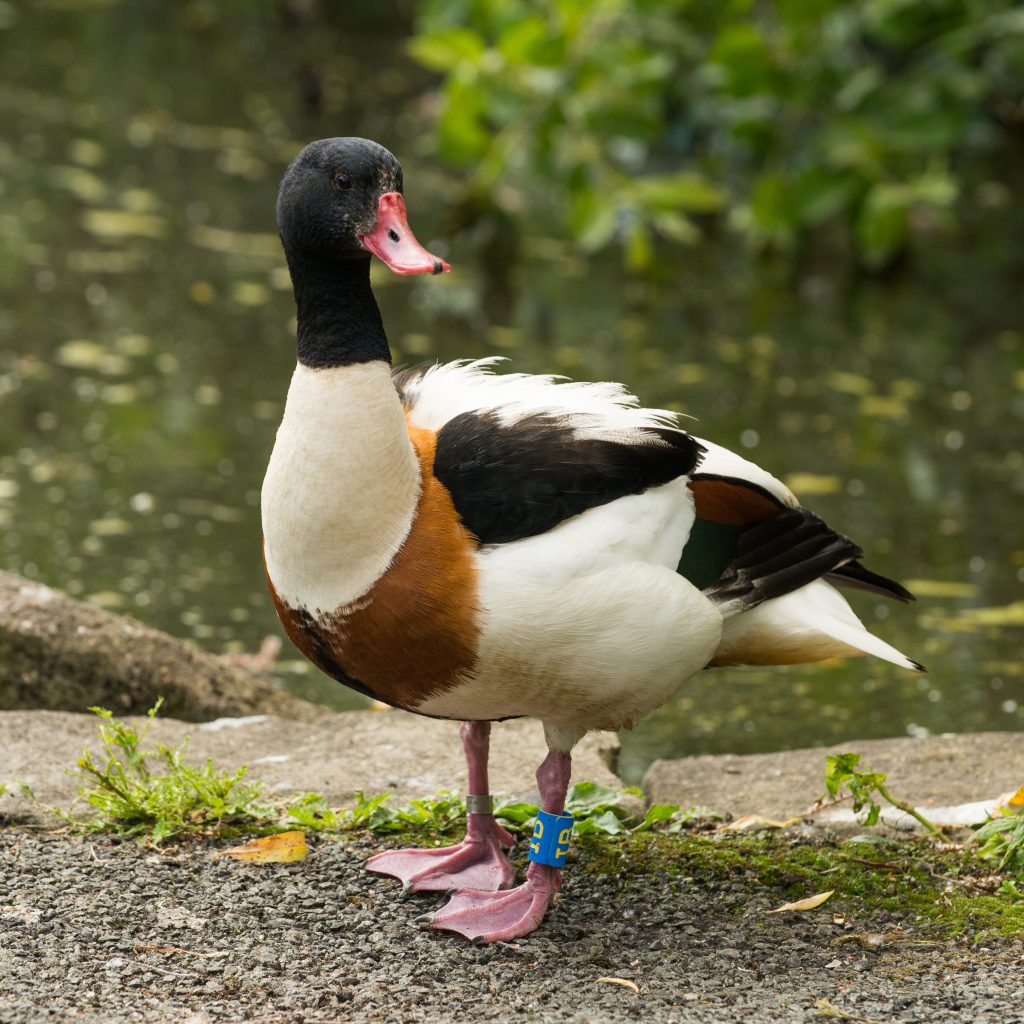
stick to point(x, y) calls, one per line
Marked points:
point(393, 241)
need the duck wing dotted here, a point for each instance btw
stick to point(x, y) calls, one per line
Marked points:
point(520, 454)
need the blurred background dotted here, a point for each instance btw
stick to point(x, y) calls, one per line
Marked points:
point(799, 223)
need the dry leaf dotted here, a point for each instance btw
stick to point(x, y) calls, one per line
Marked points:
point(808, 904)
point(1015, 803)
point(623, 982)
point(751, 822)
point(280, 849)
point(824, 1008)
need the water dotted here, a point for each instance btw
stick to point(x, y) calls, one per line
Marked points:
point(146, 342)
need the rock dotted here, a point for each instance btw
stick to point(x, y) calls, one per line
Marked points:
point(336, 755)
point(61, 654)
point(933, 770)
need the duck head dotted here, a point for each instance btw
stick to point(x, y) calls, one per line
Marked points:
point(341, 199)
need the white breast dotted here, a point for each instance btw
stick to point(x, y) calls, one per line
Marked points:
point(341, 488)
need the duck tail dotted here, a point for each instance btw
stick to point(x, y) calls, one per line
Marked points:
point(809, 624)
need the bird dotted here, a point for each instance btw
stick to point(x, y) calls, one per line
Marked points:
point(478, 546)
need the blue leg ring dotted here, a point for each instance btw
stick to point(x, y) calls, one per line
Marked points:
point(551, 836)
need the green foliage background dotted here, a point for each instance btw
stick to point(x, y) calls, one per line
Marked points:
point(629, 120)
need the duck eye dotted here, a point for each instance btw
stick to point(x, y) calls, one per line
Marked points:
point(342, 181)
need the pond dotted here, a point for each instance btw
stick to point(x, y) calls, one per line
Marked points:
point(146, 340)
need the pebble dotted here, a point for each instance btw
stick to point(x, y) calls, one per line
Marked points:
point(128, 935)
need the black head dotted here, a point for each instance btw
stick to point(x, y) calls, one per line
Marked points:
point(342, 199)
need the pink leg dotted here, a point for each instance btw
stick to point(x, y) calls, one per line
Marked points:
point(478, 860)
point(497, 917)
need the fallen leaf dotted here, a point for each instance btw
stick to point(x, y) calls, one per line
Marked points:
point(622, 982)
point(752, 822)
point(824, 1008)
point(1015, 803)
point(808, 904)
point(280, 849)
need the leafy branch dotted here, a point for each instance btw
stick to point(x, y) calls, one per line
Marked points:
point(842, 772)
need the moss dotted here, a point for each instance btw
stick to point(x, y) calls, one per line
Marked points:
point(933, 891)
point(930, 892)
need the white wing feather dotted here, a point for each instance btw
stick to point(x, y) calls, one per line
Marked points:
point(604, 409)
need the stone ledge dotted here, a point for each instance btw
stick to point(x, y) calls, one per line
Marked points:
point(933, 771)
point(411, 756)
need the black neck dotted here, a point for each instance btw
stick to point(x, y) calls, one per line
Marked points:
point(338, 320)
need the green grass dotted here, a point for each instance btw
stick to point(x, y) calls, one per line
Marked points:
point(1002, 840)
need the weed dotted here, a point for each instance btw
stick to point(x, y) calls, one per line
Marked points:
point(311, 811)
point(1009, 888)
point(153, 794)
point(598, 810)
point(929, 889)
point(19, 785)
point(1002, 840)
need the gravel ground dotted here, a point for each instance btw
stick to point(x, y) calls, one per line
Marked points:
point(99, 932)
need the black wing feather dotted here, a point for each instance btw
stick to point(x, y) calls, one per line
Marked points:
point(781, 555)
point(514, 480)
point(406, 380)
point(860, 577)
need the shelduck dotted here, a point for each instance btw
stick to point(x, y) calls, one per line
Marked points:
point(478, 546)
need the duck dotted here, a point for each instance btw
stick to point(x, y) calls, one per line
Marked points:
point(478, 546)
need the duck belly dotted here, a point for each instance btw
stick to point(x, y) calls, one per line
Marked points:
point(588, 626)
point(599, 652)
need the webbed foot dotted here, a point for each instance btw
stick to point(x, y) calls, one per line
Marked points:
point(476, 863)
point(483, 916)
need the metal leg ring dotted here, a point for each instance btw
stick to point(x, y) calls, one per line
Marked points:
point(476, 804)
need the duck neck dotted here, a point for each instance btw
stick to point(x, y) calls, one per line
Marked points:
point(339, 323)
